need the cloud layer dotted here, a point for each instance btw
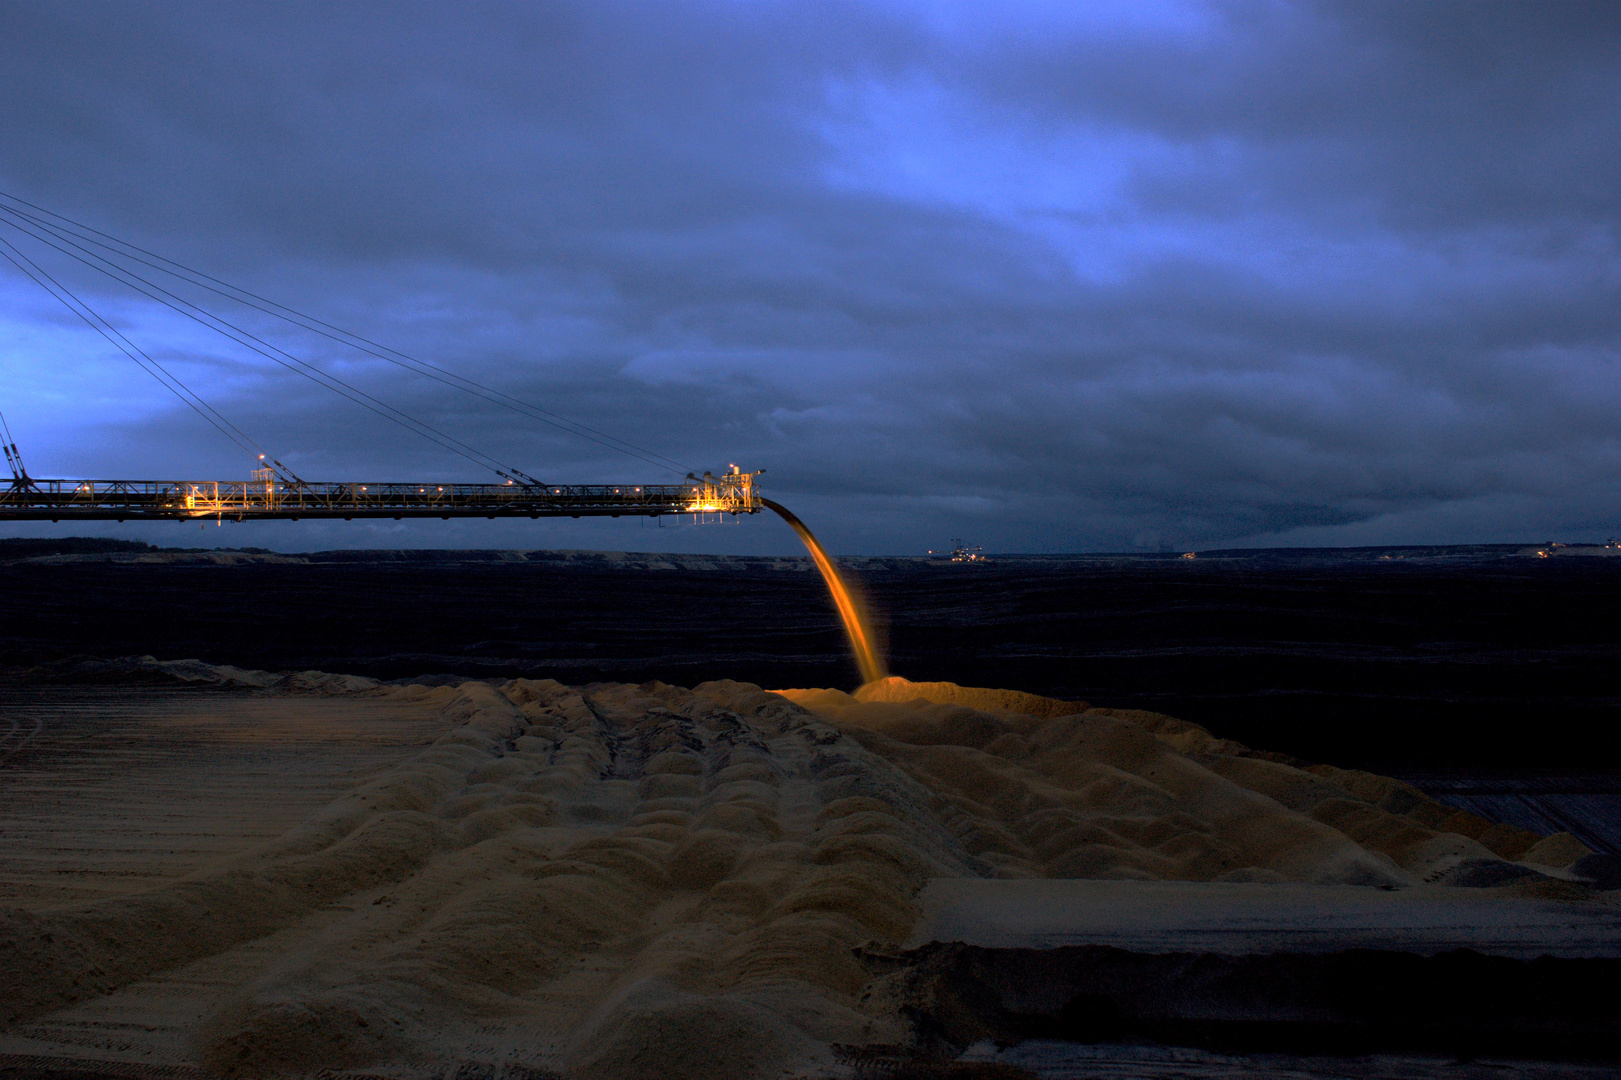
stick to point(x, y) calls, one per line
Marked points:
point(1053, 277)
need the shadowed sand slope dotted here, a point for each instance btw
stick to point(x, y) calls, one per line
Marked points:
point(640, 881)
point(108, 790)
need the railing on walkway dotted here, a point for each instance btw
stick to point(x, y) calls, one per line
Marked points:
point(259, 499)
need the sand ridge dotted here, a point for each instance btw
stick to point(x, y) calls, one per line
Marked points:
point(580, 878)
point(638, 881)
point(1045, 788)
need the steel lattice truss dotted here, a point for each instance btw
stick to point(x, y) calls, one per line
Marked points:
point(27, 499)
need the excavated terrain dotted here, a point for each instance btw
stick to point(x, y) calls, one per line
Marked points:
point(640, 881)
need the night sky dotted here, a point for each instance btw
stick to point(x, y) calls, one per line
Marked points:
point(1045, 276)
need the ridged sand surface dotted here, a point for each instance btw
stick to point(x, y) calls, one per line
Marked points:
point(647, 881)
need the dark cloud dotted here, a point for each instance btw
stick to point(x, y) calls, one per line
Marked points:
point(1054, 276)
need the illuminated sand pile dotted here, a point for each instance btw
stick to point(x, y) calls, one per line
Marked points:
point(650, 881)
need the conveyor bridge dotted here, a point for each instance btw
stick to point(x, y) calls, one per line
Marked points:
point(270, 497)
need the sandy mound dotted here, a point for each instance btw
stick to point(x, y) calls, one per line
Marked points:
point(569, 881)
point(649, 881)
point(1043, 788)
point(898, 689)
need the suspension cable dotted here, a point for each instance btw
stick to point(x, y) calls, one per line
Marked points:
point(325, 329)
point(265, 349)
point(172, 382)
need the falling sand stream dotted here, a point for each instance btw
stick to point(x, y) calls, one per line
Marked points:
point(862, 641)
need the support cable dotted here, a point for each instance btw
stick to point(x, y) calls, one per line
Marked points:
point(366, 346)
point(338, 334)
point(265, 349)
point(14, 457)
point(175, 386)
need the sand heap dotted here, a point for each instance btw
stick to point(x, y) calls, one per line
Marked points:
point(654, 882)
point(1041, 788)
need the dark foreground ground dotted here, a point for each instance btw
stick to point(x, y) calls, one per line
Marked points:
point(1485, 675)
point(1488, 673)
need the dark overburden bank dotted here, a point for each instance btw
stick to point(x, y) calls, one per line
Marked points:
point(1416, 659)
point(1462, 1003)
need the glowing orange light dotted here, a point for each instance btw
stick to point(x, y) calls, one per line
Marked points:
point(862, 639)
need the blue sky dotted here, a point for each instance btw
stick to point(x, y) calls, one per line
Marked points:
point(1050, 277)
